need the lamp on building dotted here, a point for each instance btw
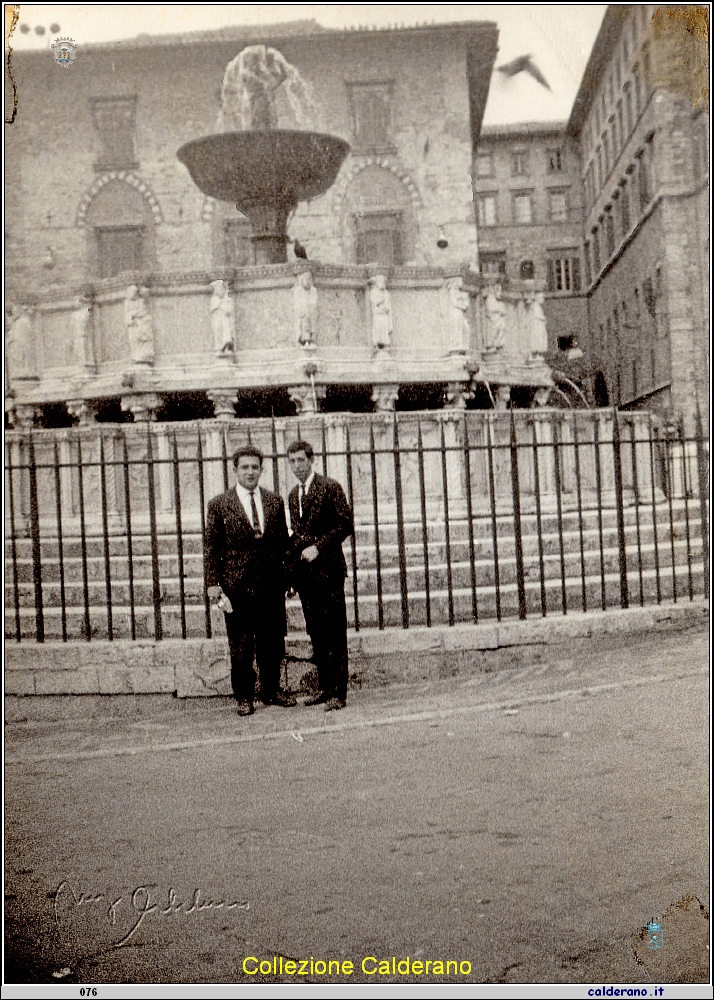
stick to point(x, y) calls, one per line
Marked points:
point(442, 241)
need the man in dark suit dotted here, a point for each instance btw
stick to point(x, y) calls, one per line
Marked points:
point(245, 546)
point(321, 520)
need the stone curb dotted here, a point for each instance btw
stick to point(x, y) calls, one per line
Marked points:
point(199, 667)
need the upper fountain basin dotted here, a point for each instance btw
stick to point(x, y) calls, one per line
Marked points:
point(273, 166)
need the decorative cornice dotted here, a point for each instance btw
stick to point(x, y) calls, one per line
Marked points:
point(126, 177)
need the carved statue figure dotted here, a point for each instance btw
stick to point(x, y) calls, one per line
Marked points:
point(138, 326)
point(18, 343)
point(82, 342)
point(495, 326)
point(381, 305)
point(539, 330)
point(305, 309)
point(459, 328)
point(222, 318)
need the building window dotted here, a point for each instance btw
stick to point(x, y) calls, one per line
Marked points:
point(606, 153)
point(621, 123)
point(379, 238)
point(114, 119)
point(523, 209)
point(625, 211)
point(610, 234)
point(555, 160)
point(563, 274)
point(519, 162)
point(493, 264)
point(484, 165)
point(596, 252)
point(628, 107)
point(558, 206)
point(237, 245)
point(600, 175)
point(527, 270)
point(588, 265)
point(121, 248)
point(372, 116)
point(644, 182)
point(487, 210)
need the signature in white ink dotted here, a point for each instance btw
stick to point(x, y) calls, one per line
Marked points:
point(140, 904)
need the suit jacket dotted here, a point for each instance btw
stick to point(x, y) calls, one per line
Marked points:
point(243, 565)
point(326, 522)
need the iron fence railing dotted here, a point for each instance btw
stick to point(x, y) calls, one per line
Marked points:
point(460, 516)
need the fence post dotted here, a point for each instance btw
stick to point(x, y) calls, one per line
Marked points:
point(13, 545)
point(424, 523)
point(703, 497)
point(36, 547)
point(621, 540)
point(202, 504)
point(403, 584)
point(375, 511)
point(516, 493)
point(105, 539)
point(155, 574)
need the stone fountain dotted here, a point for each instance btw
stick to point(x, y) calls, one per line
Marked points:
point(264, 171)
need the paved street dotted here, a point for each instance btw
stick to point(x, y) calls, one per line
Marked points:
point(529, 822)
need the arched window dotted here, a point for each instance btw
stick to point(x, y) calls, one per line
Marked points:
point(122, 231)
point(379, 220)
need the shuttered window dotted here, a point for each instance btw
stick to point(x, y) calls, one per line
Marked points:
point(120, 249)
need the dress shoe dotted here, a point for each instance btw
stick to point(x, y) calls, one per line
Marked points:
point(317, 699)
point(333, 704)
point(282, 698)
point(245, 707)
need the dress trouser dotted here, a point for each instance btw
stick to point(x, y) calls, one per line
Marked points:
point(326, 623)
point(254, 631)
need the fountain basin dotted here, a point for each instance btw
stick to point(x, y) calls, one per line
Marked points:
point(265, 173)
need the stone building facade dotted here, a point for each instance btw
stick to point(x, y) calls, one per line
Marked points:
point(115, 257)
point(96, 188)
point(530, 210)
point(642, 131)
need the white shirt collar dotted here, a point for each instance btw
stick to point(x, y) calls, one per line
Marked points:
point(308, 483)
point(244, 496)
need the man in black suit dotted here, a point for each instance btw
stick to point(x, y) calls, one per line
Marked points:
point(321, 520)
point(245, 546)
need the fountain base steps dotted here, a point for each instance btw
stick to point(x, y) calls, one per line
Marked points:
point(578, 568)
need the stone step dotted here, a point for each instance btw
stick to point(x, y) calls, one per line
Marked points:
point(142, 565)
point(643, 555)
point(364, 533)
point(462, 601)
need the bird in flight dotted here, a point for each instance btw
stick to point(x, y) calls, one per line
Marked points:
point(524, 64)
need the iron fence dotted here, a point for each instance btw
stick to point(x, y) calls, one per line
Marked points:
point(460, 516)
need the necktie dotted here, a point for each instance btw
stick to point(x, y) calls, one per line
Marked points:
point(301, 496)
point(254, 515)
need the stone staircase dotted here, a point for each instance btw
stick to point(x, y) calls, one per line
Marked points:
point(586, 575)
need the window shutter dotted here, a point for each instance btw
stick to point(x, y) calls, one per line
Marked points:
point(551, 276)
point(576, 274)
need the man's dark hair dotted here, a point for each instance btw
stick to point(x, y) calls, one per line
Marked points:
point(247, 449)
point(301, 446)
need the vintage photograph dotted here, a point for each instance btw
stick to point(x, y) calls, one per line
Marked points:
point(356, 498)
